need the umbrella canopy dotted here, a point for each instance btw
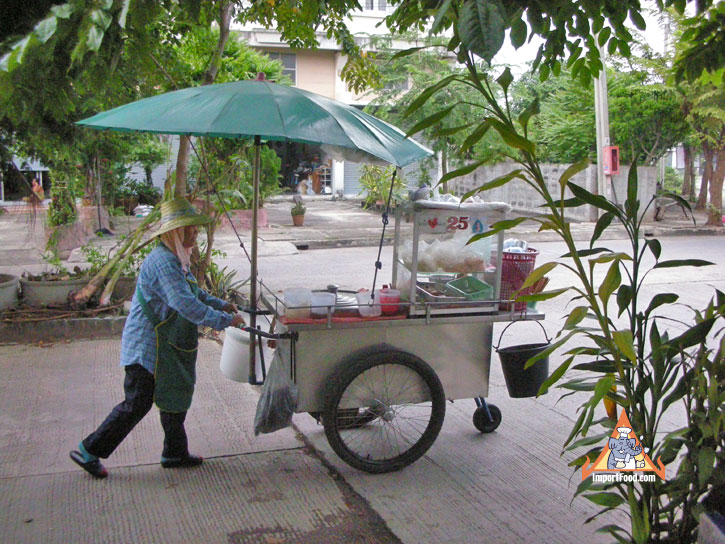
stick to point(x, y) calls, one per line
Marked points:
point(245, 109)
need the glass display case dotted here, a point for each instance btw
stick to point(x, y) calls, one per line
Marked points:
point(438, 269)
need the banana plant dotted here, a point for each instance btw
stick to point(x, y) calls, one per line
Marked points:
point(613, 342)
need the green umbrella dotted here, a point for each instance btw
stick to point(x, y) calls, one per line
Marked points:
point(265, 110)
point(245, 109)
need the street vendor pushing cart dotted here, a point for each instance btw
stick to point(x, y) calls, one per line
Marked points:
point(159, 344)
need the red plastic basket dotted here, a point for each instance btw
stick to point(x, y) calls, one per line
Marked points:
point(515, 268)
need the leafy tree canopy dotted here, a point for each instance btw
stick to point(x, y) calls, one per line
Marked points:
point(572, 30)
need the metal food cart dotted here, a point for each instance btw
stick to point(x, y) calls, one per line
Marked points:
point(379, 385)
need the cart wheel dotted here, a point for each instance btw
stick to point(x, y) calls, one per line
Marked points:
point(383, 411)
point(483, 423)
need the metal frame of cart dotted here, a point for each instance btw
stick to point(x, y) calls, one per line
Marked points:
point(379, 386)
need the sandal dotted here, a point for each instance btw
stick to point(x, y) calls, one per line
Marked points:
point(178, 462)
point(94, 468)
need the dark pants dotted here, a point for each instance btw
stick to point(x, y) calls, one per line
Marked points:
point(139, 389)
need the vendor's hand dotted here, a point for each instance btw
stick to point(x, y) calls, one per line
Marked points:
point(237, 320)
point(230, 308)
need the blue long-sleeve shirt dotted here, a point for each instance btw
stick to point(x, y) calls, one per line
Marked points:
point(164, 286)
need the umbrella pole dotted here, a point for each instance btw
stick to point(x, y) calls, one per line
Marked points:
point(253, 273)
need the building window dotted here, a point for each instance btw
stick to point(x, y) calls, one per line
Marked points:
point(378, 5)
point(401, 85)
point(289, 64)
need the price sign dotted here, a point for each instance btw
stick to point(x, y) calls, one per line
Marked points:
point(437, 222)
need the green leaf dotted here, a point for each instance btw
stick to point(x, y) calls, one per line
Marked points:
point(476, 135)
point(546, 295)
point(606, 498)
point(548, 351)
point(632, 204)
point(624, 341)
point(440, 16)
point(124, 13)
point(539, 273)
point(482, 27)
point(430, 120)
point(575, 317)
point(566, 203)
point(596, 366)
point(461, 172)
point(555, 376)
point(512, 138)
point(409, 51)
point(604, 36)
point(94, 38)
point(63, 11)
point(497, 182)
point(532, 109)
point(660, 299)
point(616, 256)
point(497, 227)
point(505, 79)
point(602, 223)
point(612, 47)
point(624, 297)
point(45, 29)
point(611, 281)
point(705, 462)
point(682, 262)
point(518, 33)
point(453, 130)
point(637, 19)
point(100, 18)
point(597, 201)
point(604, 385)
point(694, 335)
point(587, 252)
point(654, 246)
point(427, 93)
point(572, 171)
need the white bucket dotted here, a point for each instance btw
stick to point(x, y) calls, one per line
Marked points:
point(235, 355)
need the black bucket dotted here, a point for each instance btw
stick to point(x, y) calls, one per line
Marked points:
point(522, 382)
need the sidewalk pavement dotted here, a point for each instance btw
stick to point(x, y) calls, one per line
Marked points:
point(282, 488)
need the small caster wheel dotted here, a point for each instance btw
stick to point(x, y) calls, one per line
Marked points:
point(483, 423)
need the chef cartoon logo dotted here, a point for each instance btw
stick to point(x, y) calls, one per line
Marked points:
point(623, 458)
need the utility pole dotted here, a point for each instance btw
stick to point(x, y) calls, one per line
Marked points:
point(601, 116)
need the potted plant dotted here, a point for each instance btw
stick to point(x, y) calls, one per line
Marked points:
point(375, 186)
point(8, 291)
point(54, 286)
point(298, 214)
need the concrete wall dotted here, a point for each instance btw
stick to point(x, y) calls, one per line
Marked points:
point(521, 196)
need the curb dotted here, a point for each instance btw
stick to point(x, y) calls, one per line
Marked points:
point(62, 329)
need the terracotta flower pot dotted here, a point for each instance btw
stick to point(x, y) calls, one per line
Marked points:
point(298, 220)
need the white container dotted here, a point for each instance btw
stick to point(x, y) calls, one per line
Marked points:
point(235, 355)
point(297, 302)
point(321, 302)
point(367, 306)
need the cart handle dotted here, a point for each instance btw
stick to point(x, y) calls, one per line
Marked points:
point(548, 340)
point(260, 332)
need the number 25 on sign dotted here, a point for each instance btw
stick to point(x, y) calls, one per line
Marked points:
point(464, 222)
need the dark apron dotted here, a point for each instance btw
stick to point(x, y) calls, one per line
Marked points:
point(177, 340)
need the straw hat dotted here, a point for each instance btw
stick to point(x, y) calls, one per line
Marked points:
point(179, 213)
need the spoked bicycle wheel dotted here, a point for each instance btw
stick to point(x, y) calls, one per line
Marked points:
point(383, 411)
